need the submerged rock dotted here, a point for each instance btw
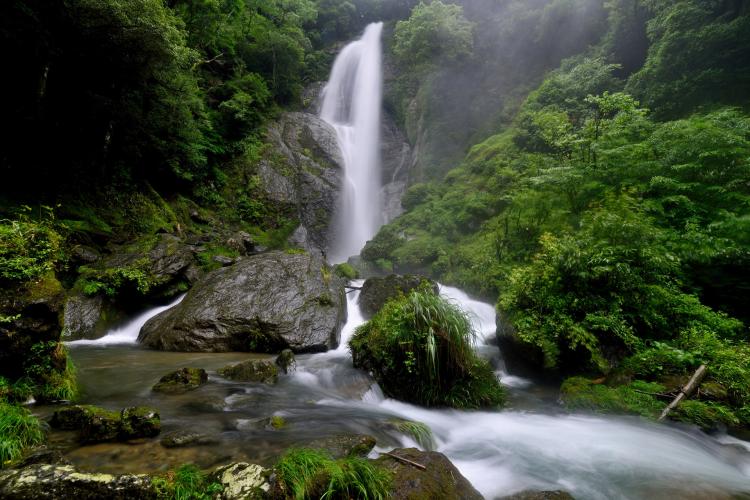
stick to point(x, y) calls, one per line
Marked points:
point(440, 479)
point(242, 481)
point(181, 381)
point(184, 438)
point(262, 303)
point(44, 481)
point(254, 370)
point(377, 290)
point(139, 422)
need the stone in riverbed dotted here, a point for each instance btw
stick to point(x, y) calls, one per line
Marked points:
point(262, 303)
point(440, 479)
point(242, 481)
point(139, 422)
point(285, 361)
point(345, 445)
point(181, 381)
point(43, 481)
point(254, 370)
point(184, 438)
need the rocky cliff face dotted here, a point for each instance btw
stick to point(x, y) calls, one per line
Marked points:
point(265, 302)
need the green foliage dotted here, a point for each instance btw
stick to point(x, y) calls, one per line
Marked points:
point(705, 414)
point(187, 482)
point(420, 432)
point(206, 257)
point(19, 429)
point(420, 348)
point(582, 394)
point(114, 281)
point(435, 33)
point(346, 271)
point(28, 248)
point(307, 474)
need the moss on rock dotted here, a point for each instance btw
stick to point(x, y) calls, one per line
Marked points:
point(254, 370)
point(181, 381)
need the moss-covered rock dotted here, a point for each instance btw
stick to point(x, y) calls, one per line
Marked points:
point(185, 438)
point(139, 422)
point(440, 478)
point(583, 394)
point(254, 370)
point(376, 291)
point(181, 381)
point(97, 424)
point(44, 481)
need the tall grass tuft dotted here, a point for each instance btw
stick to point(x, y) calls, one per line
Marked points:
point(187, 482)
point(420, 349)
point(19, 429)
point(312, 474)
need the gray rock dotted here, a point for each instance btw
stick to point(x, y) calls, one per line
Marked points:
point(181, 381)
point(184, 438)
point(242, 481)
point(81, 254)
point(440, 479)
point(396, 161)
point(304, 168)
point(43, 481)
point(263, 303)
point(254, 370)
point(85, 318)
point(242, 242)
point(223, 260)
point(376, 291)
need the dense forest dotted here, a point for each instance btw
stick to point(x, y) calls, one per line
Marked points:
point(582, 164)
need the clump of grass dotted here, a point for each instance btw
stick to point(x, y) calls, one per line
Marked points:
point(60, 385)
point(420, 432)
point(420, 348)
point(186, 482)
point(307, 474)
point(19, 429)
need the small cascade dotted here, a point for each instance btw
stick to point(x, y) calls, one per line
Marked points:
point(351, 104)
point(128, 333)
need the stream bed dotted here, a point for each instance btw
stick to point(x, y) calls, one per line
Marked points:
point(532, 444)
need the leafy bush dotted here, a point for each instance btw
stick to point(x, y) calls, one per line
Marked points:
point(582, 394)
point(420, 348)
point(308, 474)
point(19, 429)
point(28, 249)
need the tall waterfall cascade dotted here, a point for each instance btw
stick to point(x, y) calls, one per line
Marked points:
point(352, 102)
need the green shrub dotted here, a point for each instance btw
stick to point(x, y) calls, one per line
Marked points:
point(307, 474)
point(19, 429)
point(346, 271)
point(187, 482)
point(582, 394)
point(420, 348)
point(28, 249)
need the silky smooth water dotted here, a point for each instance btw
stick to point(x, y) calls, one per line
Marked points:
point(351, 104)
point(525, 446)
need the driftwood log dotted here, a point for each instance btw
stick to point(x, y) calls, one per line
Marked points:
point(405, 460)
point(686, 391)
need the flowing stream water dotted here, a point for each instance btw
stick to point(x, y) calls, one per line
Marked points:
point(532, 444)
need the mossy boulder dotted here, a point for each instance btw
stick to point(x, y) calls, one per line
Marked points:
point(181, 381)
point(97, 424)
point(139, 422)
point(262, 303)
point(44, 481)
point(185, 438)
point(378, 290)
point(254, 370)
point(440, 478)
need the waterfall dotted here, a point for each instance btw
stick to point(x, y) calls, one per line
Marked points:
point(351, 104)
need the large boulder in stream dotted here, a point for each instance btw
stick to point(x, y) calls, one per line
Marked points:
point(439, 478)
point(263, 303)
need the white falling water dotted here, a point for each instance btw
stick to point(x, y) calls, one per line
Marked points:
point(351, 104)
point(128, 333)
